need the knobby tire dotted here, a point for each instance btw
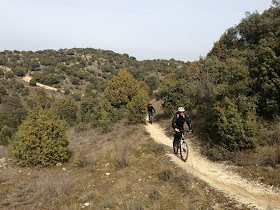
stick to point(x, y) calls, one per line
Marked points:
point(184, 151)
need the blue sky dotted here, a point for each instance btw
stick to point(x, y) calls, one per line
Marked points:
point(147, 29)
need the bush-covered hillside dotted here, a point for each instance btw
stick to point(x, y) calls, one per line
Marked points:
point(69, 68)
point(89, 87)
point(235, 89)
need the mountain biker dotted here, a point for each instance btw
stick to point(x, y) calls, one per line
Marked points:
point(151, 110)
point(178, 123)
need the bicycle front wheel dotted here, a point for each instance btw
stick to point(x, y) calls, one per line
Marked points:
point(184, 151)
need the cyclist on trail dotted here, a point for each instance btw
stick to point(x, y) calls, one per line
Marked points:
point(178, 123)
point(151, 110)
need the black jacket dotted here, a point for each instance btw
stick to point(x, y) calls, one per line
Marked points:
point(178, 121)
point(151, 109)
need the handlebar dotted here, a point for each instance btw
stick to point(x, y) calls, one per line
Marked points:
point(189, 131)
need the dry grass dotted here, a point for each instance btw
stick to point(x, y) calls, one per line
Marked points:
point(166, 174)
point(263, 163)
point(1, 178)
point(122, 169)
point(199, 199)
point(122, 161)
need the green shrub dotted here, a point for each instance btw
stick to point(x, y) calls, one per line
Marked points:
point(19, 71)
point(9, 75)
point(47, 78)
point(152, 82)
point(77, 96)
point(175, 93)
point(41, 99)
point(102, 120)
point(40, 141)
point(75, 80)
point(87, 108)
point(66, 91)
point(219, 152)
point(1, 72)
point(4, 140)
point(104, 115)
point(32, 82)
point(232, 128)
point(12, 101)
point(5, 135)
point(65, 109)
point(6, 131)
point(137, 108)
point(12, 119)
point(121, 89)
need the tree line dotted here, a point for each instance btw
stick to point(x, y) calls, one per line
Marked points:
point(236, 87)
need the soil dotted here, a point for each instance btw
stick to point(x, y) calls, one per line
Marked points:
point(28, 78)
point(219, 175)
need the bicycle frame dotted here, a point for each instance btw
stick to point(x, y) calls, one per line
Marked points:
point(182, 132)
point(184, 151)
point(150, 117)
point(182, 139)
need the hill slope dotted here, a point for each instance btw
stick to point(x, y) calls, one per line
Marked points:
point(218, 176)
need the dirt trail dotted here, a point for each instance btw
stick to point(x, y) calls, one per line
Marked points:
point(219, 176)
point(28, 78)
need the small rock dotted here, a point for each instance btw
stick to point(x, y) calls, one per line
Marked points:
point(58, 164)
point(261, 179)
point(107, 174)
point(64, 169)
point(3, 162)
point(269, 169)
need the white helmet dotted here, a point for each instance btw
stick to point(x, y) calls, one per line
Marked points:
point(181, 109)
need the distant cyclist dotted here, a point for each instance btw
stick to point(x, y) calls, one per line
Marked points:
point(178, 123)
point(151, 110)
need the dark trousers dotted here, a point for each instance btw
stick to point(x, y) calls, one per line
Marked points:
point(177, 137)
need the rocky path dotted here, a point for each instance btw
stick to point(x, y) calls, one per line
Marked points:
point(220, 176)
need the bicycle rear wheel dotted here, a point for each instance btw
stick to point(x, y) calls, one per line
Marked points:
point(184, 151)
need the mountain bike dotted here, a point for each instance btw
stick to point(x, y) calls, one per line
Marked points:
point(182, 146)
